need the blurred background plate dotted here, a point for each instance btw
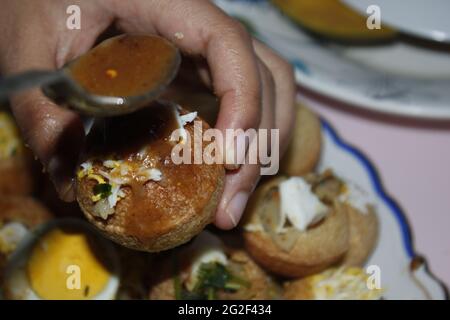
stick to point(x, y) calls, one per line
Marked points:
point(402, 76)
point(427, 19)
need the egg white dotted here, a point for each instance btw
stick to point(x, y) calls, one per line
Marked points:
point(11, 234)
point(299, 204)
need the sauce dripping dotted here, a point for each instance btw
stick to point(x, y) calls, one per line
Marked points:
point(126, 135)
point(143, 139)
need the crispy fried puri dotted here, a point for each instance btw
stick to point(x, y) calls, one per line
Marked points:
point(158, 215)
point(24, 210)
point(300, 289)
point(363, 236)
point(15, 161)
point(303, 152)
point(16, 176)
point(261, 285)
point(314, 250)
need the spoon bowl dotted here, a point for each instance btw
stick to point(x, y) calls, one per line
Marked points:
point(81, 94)
point(119, 76)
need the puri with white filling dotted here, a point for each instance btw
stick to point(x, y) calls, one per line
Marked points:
point(291, 232)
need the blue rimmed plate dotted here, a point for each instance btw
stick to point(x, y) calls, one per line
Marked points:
point(403, 272)
point(401, 77)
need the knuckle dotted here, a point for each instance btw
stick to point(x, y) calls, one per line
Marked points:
point(238, 28)
point(253, 95)
point(231, 29)
point(284, 68)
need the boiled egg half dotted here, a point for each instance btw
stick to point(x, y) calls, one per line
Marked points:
point(64, 259)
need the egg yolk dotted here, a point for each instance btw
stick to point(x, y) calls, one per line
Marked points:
point(63, 266)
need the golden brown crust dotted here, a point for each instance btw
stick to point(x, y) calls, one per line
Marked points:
point(170, 212)
point(16, 176)
point(16, 172)
point(261, 285)
point(25, 210)
point(300, 289)
point(315, 249)
point(257, 197)
point(363, 236)
point(303, 152)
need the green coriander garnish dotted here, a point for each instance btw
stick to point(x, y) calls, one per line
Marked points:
point(102, 189)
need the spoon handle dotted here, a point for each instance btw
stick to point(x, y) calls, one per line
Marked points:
point(28, 80)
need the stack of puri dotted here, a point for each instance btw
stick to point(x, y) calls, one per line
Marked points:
point(20, 212)
point(311, 229)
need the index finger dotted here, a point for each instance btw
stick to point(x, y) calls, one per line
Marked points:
point(201, 28)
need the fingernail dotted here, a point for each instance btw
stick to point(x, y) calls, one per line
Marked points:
point(67, 191)
point(230, 161)
point(236, 207)
point(236, 149)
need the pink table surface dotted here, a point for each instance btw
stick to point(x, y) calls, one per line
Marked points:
point(413, 159)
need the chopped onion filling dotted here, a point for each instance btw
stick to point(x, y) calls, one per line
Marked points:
point(150, 174)
point(120, 173)
point(357, 197)
point(188, 118)
point(183, 120)
point(298, 206)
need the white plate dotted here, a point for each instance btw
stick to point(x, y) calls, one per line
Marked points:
point(394, 253)
point(323, 70)
point(426, 19)
point(397, 78)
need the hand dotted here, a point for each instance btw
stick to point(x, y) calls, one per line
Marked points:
point(255, 86)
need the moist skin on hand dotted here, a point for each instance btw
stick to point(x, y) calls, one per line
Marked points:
point(124, 66)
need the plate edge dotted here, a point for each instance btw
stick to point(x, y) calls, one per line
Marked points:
point(402, 220)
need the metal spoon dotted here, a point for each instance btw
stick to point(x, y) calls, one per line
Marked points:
point(61, 86)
